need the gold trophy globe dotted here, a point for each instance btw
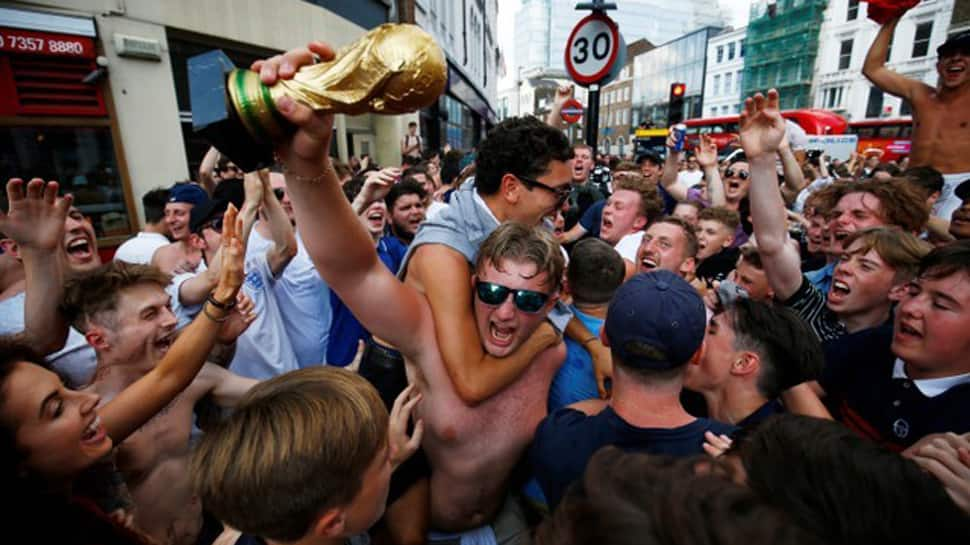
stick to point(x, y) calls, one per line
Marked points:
point(393, 69)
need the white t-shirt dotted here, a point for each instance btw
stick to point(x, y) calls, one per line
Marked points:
point(264, 349)
point(183, 313)
point(628, 245)
point(304, 302)
point(689, 178)
point(75, 362)
point(140, 248)
point(434, 209)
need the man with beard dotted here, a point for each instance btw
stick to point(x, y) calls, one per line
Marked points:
point(66, 349)
point(941, 126)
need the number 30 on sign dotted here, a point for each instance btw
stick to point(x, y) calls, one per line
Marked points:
point(592, 49)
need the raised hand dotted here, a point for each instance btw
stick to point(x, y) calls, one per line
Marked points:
point(706, 152)
point(762, 127)
point(231, 271)
point(563, 93)
point(402, 446)
point(238, 320)
point(35, 217)
point(305, 151)
point(379, 183)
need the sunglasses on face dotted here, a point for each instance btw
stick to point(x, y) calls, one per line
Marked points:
point(496, 294)
point(229, 168)
point(562, 192)
point(215, 224)
point(731, 173)
point(280, 193)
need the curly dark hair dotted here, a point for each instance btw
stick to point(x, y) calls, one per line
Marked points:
point(518, 145)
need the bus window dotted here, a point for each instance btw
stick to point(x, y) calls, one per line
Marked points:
point(866, 132)
point(889, 131)
point(907, 131)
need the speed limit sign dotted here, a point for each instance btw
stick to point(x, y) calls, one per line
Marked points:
point(592, 49)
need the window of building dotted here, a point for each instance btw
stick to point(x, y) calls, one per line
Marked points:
point(741, 49)
point(714, 111)
point(725, 110)
point(720, 53)
point(845, 55)
point(921, 42)
point(727, 83)
point(832, 98)
point(716, 88)
point(730, 50)
point(905, 108)
point(737, 81)
point(626, 93)
point(82, 158)
point(874, 104)
point(853, 12)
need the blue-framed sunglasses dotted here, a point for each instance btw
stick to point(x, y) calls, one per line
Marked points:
point(495, 294)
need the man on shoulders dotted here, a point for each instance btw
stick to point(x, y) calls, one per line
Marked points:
point(180, 256)
point(941, 132)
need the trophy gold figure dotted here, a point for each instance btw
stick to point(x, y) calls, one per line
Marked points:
point(393, 69)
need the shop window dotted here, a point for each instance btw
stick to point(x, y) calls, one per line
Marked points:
point(82, 159)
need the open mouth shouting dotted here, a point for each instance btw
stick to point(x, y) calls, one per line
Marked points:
point(839, 291)
point(649, 263)
point(165, 342)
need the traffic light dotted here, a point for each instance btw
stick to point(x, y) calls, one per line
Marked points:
point(675, 107)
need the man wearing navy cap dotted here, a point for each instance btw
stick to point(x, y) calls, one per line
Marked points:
point(941, 137)
point(654, 327)
point(180, 256)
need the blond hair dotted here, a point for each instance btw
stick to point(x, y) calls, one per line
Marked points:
point(95, 295)
point(518, 242)
point(297, 444)
point(900, 249)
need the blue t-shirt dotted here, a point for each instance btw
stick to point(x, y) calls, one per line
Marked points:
point(763, 412)
point(345, 330)
point(822, 278)
point(566, 439)
point(576, 380)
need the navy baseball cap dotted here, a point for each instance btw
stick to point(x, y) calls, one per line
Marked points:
point(656, 320)
point(650, 156)
point(958, 43)
point(205, 212)
point(188, 193)
point(963, 190)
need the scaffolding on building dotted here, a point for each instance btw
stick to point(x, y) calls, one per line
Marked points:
point(780, 49)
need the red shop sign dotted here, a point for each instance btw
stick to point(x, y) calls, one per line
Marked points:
point(15, 40)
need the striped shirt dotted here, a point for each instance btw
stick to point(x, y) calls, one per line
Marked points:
point(810, 305)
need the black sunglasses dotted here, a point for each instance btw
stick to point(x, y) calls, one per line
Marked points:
point(562, 192)
point(496, 294)
point(730, 173)
point(279, 192)
point(215, 224)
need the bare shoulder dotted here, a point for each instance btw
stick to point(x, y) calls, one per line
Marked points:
point(431, 262)
point(589, 407)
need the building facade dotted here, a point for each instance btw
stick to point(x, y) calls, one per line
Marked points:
point(845, 38)
point(725, 71)
point(682, 60)
point(97, 97)
point(536, 64)
point(781, 47)
point(466, 32)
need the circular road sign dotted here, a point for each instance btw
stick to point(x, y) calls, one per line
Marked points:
point(592, 49)
point(572, 111)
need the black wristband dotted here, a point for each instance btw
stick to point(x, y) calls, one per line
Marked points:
point(219, 305)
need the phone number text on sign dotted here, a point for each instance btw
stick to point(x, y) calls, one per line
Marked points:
point(22, 41)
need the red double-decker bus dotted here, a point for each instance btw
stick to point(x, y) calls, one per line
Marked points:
point(892, 136)
point(724, 130)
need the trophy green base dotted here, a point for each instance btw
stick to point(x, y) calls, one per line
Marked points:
point(215, 117)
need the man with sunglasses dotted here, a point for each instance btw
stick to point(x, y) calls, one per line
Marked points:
point(477, 405)
point(941, 137)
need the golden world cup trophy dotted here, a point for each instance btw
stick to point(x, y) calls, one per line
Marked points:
point(393, 69)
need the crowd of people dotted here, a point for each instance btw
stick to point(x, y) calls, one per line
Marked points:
point(525, 342)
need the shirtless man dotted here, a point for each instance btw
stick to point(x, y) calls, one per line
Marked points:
point(474, 435)
point(124, 313)
point(941, 116)
point(180, 256)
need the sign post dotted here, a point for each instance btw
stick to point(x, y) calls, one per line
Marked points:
point(592, 53)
